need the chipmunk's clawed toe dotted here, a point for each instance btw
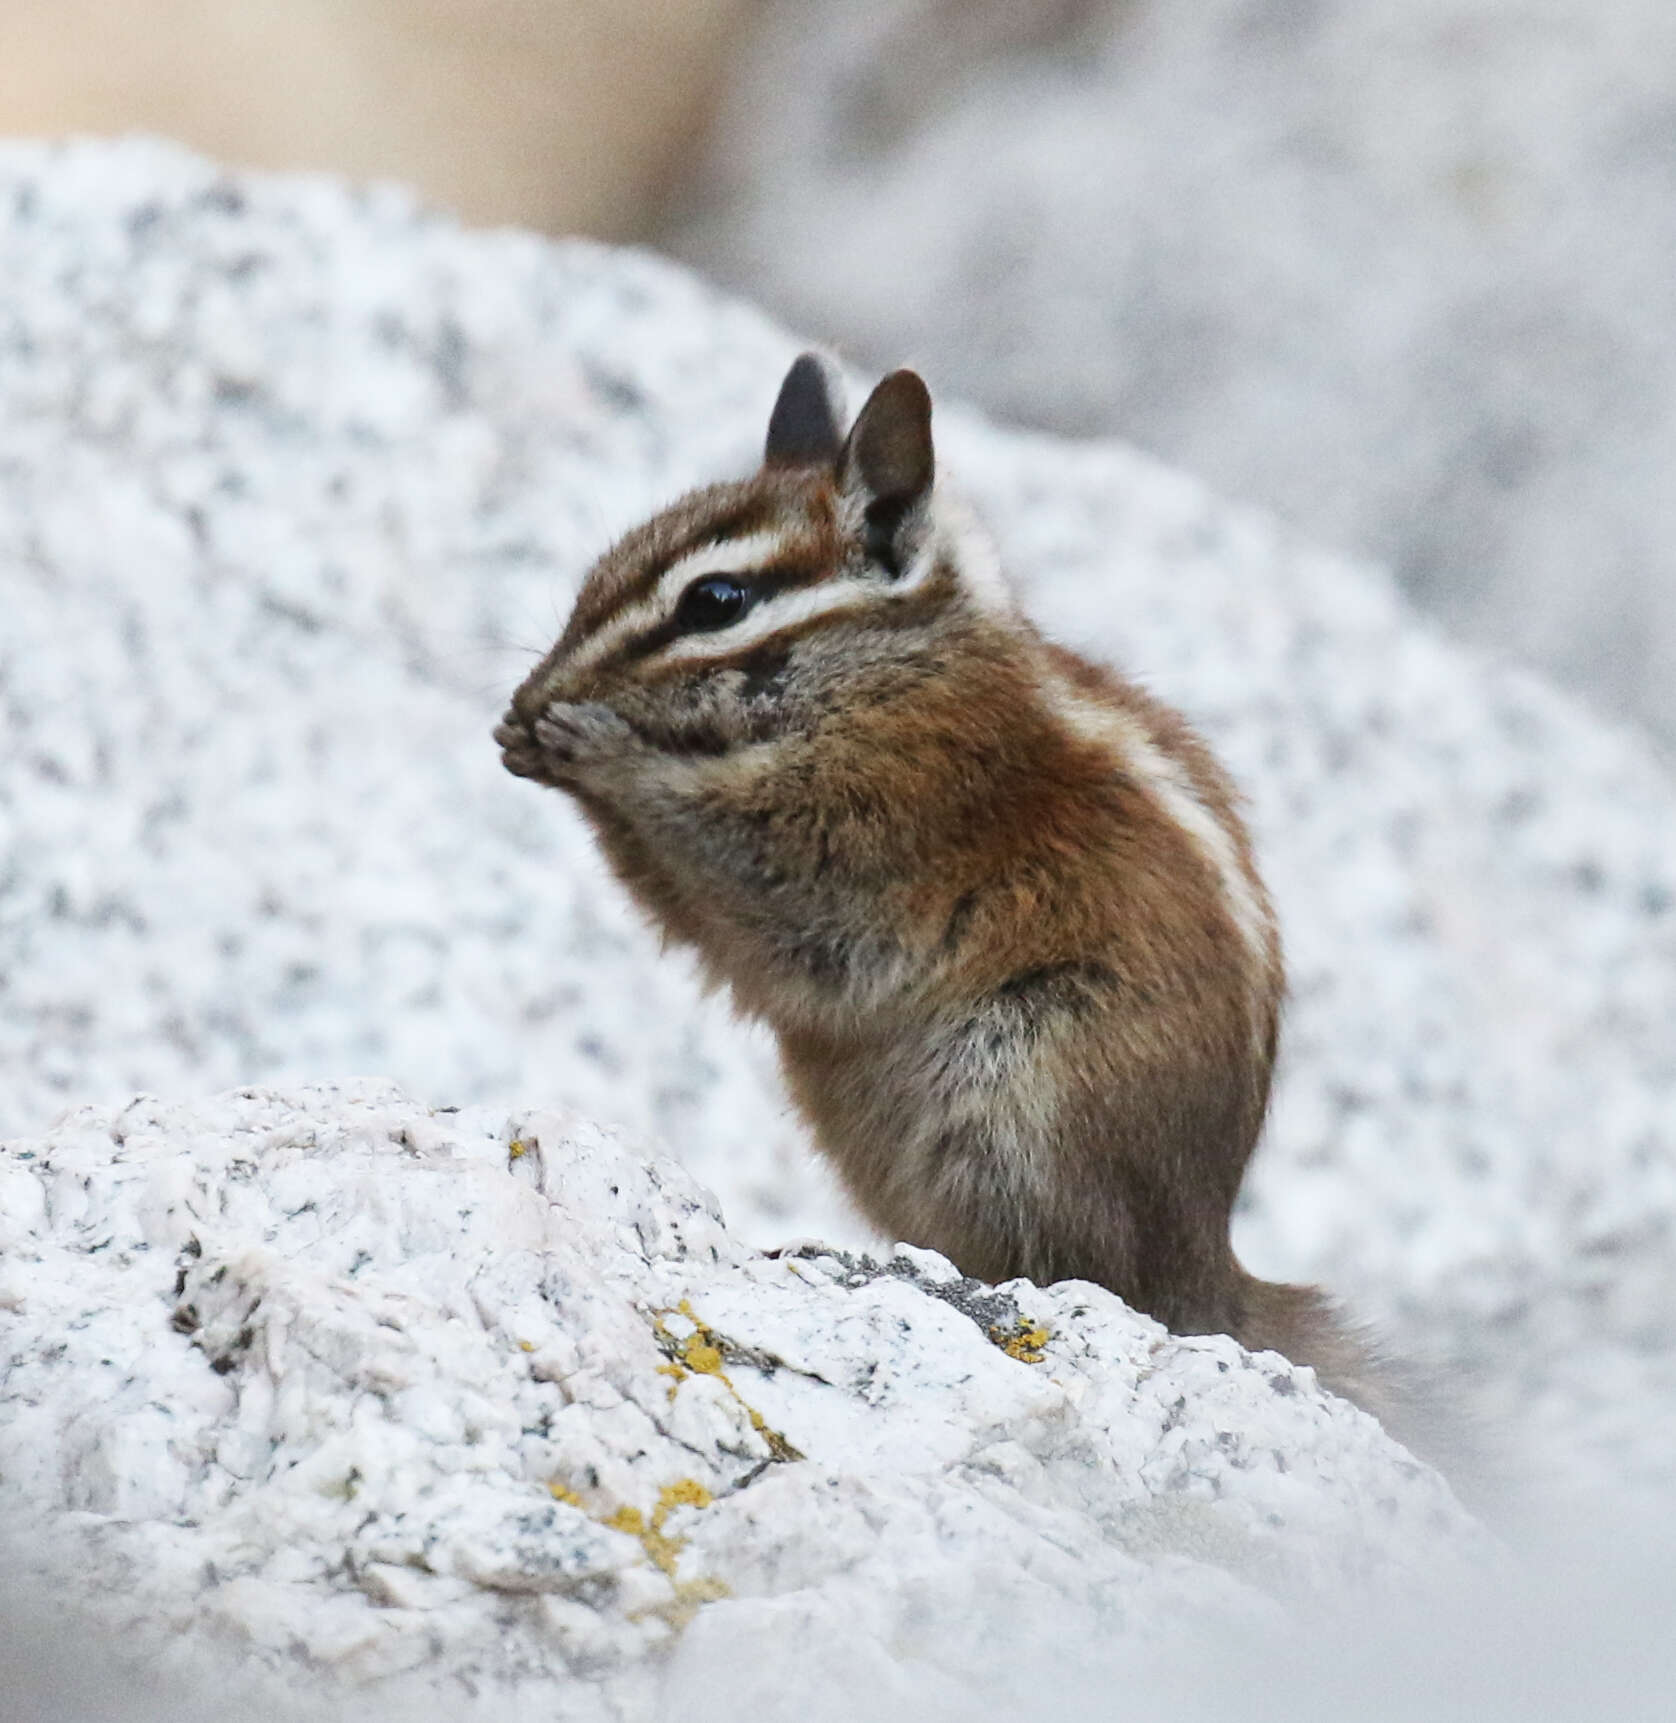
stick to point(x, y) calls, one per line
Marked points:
point(519, 753)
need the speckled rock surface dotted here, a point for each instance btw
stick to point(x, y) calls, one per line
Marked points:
point(444, 1407)
point(294, 480)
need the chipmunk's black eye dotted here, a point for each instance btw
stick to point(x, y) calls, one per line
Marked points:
point(712, 602)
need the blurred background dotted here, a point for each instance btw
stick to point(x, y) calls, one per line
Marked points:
point(1404, 274)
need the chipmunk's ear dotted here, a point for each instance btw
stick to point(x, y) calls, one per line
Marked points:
point(806, 427)
point(887, 463)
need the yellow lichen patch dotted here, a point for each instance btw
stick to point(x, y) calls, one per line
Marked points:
point(683, 1493)
point(691, 1595)
point(516, 1149)
point(1023, 1342)
point(526, 1345)
point(700, 1356)
point(661, 1550)
point(701, 1353)
point(630, 1520)
point(778, 1446)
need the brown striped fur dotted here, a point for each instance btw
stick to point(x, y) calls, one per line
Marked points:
point(996, 902)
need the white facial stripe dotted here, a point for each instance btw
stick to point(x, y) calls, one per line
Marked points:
point(747, 555)
point(797, 604)
point(1172, 787)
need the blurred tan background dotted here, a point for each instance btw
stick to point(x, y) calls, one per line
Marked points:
point(569, 115)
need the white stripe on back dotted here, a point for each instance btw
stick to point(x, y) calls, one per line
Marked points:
point(1168, 782)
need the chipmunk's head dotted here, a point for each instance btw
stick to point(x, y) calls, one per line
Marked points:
point(748, 610)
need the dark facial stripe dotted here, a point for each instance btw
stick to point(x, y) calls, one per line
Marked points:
point(766, 583)
point(652, 550)
point(908, 610)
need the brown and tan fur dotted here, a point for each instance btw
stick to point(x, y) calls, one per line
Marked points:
point(996, 903)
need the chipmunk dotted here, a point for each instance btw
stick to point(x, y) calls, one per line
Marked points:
point(996, 903)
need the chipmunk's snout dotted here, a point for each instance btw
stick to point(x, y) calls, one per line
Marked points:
point(530, 699)
point(549, 683)
point(522, 752)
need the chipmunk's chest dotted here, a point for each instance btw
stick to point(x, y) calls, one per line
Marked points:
point(968, 1092)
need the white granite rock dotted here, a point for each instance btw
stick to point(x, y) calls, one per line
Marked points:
point(293, 480)
point(417, 1406)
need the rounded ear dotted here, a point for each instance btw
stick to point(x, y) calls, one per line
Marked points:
point(805, 428)
point(888, 463)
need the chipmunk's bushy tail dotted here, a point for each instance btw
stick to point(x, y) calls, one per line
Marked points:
point(1305, 1325)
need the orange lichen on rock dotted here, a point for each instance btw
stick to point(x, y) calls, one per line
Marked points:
point(1025, 1341)
point(702, 1353)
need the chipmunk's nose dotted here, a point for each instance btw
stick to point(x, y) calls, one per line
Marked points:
point(535, 694)
point(527, 703)
point(549, 681)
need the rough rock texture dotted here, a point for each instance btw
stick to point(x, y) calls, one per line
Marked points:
point(457, 1408)
point(1406, 273)
point(286, 472)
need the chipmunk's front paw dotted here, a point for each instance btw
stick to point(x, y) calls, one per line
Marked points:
point(564, 741)
point(581, 735)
